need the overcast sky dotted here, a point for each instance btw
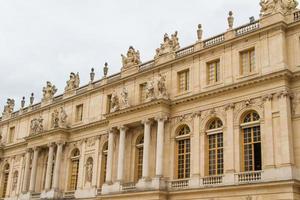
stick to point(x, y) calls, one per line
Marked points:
point(44, 40)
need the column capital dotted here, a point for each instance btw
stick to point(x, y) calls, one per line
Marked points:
point(161, 118)
point(28, 150)
point(146, 121)
point(267, 97)
point(50, 144)
point(230, 106)
point(284, 93)
point(37, 148)
point(58, 143)
point(123, 128)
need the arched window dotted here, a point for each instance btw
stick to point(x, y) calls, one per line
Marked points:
point(251, 142)
point(74, 169)
point(139, 157)
point(183, 149)
point(215, 147)
point(103, 163)
point(5, 180)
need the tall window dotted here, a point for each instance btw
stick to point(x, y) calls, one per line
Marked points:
point(183, 152)
point(139, 157)
point(11, 136)
point(247, 61)
point(213, 72)
point(251, 142)
point(79, 113)
point(104, 163)
point(5, 180)
point(215, 148)
point(74, 169)
point(183, 81)
point(108, 103)
point(143, 92)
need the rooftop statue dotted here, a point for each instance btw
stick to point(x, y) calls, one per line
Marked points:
point(73, 82)
point(36, 126)
point(169, 45)
point(274, 6)
point(9, 107)
point(132, 58)
point(49, 90)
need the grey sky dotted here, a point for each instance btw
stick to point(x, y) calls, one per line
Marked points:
point(44, 40)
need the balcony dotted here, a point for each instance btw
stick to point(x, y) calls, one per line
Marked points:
point(247, 28)
point(248, 177)
point(214, 41)
point(185, 51)
point(36, 195)
point(212, 180)
point(128, 186)
point(69, 195)
point(179, 184)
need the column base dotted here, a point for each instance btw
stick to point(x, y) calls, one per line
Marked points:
point(111, 188)
point(86, 193)
point(144, 184)
point(159, 183)
point(51, 194)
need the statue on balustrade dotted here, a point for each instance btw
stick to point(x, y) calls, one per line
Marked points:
point(115, 104)
point(161, 86)
point(274, 6)
point(132, 58)
point(150, 94)
point(169, 45)
point(124, 96)
point(9, 107)
point(49, 90)
point(73, 82)
point(36, 126)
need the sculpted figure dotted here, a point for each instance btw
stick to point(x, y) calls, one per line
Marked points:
point(55, 119)
point(132, 58)
point(161, 86)
point(199, 32)
point(274, 6)
point(89, 170)
point(124, 96)
point(63, 118)
point(105, 69)
point(150, 95)
point(49, 90)
point(73, 82)
point(36, 125)
point(169, 45)
point(9, 107)
point(115, 104)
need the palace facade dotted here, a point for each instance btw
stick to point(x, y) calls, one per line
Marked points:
point(217, 120)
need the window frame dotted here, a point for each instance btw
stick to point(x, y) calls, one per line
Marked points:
point(79, 108)
point(186, 73)
point(217, 72)
point(251, 68)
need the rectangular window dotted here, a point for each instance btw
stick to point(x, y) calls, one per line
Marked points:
point(252, 149)
point(108, 103)
point(74, 174)
point(143, 88)
point(215, 151)
point(183, 81)
point(213, 72)
point(247, 61)
point(11, 136)
point(183, 159)
point(79, 113)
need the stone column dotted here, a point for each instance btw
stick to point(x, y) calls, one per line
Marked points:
point(121, 154)
point(57, 165)
point(147, 130)
point(286, 136)
point(26, 171)
point(267, 138)
point(160, 146)
point(229, 140)
point(49, 167)
point(110, 154)
point(96, 166)
point(34, 169)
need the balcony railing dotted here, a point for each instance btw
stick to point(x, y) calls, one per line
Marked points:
point(185, 51)
point(69, 195)
point(128, 186)
point(214, 41)
point(248, 177)
point(36, 195)
point(212, 180)
point(297, 15)
point(247, 28)
point(179, 184)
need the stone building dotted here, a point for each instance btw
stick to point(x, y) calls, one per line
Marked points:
point(217, 120)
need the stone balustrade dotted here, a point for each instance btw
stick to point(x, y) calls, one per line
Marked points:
point(185, 51)
point(212, 180)
point(247, 28)
point(146, 65)
point(179, 184)
point(214, 40)
point(248, 177)
point(128, 186)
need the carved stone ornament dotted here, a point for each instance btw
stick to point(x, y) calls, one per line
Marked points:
point(285, 7)
point(132, 58)
point(89, 170)
point(296, 103)
point(115, 104)
point(161, 86)
point(49, 90)
point(55, 119)
point(73, 82)
point(36, 126)
point(150, 94)
point(170, 45)
point(59, 118)
point(124, 95)
point(9, 107)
